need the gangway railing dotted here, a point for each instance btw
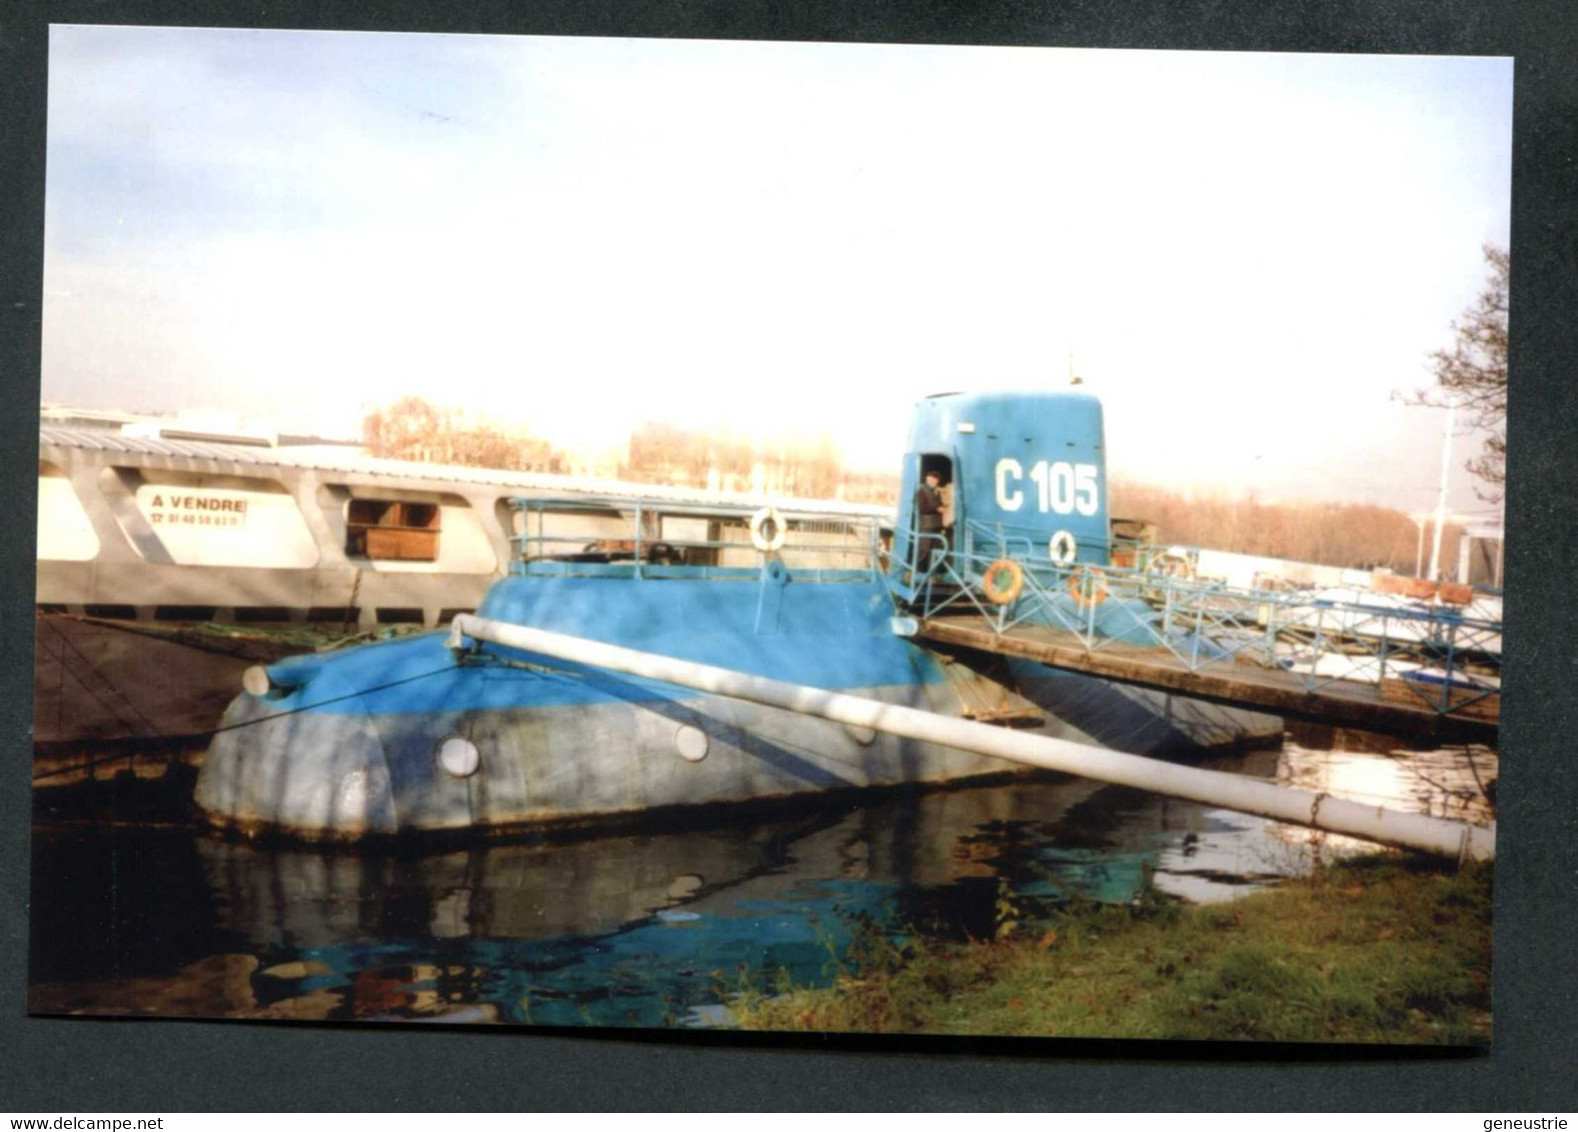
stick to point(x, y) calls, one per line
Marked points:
point(1429, 656)
point(644, 538)
point(1432, 656)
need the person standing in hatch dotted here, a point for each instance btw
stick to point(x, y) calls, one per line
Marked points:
point(928, 513)
point(945, 493)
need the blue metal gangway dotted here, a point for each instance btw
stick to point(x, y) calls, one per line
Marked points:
point(1342, 655)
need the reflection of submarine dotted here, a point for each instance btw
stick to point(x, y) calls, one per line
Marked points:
point(628, 928)
point(410, 735)
point(586, 887)
point(517, 890)
point(602, 924)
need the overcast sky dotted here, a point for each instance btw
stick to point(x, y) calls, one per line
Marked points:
point(1244, 255)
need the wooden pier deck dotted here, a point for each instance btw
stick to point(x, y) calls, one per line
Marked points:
point(1339, 702)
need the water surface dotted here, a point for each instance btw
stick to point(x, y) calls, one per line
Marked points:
point(659, 928)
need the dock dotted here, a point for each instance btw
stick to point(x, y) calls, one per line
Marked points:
point(1236, 683)
point(1351, 658)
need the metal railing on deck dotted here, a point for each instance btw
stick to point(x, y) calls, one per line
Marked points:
point(1436, 656)
point(646, 538)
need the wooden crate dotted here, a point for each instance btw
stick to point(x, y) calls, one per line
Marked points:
point(410, 545)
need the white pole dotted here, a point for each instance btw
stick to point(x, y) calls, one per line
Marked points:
point(1441, 497)
point(1216, 788)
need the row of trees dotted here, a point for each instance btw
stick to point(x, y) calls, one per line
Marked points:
point(1331, 534)
point(1339, 535)
point(414, 429)
point(1473, 374)
point(665, 453)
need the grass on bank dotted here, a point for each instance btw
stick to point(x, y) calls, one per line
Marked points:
point(1381, 949)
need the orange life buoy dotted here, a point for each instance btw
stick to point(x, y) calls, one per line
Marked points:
point(999, 592)
point(1172, 563)
point(1098, 590)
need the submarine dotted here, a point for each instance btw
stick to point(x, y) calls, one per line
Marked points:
point(421, 735)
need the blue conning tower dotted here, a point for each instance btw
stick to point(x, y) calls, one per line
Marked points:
point(1028, 475)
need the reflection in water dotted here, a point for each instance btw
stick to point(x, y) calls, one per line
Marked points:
point(650, 929)
point(1454, 782)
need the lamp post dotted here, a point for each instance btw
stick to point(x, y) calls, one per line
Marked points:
point(1446, 466)
point(1420, 518)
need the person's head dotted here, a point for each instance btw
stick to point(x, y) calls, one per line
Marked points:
point(933, 479)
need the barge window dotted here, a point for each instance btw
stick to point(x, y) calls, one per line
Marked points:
point(377, 528)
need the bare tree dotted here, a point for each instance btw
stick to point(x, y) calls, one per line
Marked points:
point(414, 429)
point(666, 453)
point(1474, 374)
point(404, 430)
point(1333, 534)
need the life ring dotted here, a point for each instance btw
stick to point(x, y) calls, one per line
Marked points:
point(1172, 563)
point(1076, 585)
point(1002, 594)
point(764, 543)
point(1061, 548)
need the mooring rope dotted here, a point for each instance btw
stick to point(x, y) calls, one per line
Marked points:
point(350, 606)
point(60, 658)
point(252, 722)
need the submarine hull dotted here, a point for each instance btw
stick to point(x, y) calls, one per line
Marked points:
point(410, 736)
point(551, 764)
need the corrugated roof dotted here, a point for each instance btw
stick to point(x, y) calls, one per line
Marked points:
point(240, 458)
point(111, 440)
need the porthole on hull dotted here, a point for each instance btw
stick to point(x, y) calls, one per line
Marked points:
point(691, 743)
point(459, 757)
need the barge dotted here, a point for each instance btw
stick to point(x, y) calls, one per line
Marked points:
point(185, 527)
point(170, 558)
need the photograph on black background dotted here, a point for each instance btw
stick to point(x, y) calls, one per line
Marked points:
point(762, 536)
